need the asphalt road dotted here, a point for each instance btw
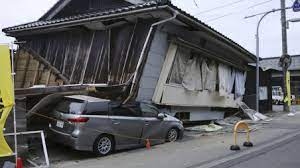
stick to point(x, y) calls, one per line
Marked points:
point(283, 156)
point(271, 142)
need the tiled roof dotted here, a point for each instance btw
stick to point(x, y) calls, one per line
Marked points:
point(272, 63)
point(46, 23)
point(43, 23)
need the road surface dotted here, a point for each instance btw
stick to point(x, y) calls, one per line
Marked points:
point(284, 156)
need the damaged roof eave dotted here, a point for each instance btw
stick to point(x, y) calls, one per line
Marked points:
point(61, 25)
point(244, 53)
point(59, 5)
point(182, 16)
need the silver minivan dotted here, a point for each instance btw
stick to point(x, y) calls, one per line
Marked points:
point(102, 126)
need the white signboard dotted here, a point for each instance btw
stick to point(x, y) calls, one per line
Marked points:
point(263, 93)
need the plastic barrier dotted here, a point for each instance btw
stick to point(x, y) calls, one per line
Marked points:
point(6, 95)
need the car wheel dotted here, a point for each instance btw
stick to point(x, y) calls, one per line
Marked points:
point(103, 145)
point(172, 135)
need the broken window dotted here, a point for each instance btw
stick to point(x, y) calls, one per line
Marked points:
point(226, 79)
point(192, 79)
point(181, 58)
point(240, 79)
point(195, 72)
point(209, 75)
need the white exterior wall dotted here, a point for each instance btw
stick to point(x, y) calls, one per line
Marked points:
point(153, 86)
point(153, 66)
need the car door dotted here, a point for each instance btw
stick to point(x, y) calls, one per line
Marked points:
point(127, 123)
point(153, 127)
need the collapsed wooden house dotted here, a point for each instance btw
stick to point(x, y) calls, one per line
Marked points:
point(152, 49)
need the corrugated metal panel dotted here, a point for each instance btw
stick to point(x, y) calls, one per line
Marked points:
point(272, 63)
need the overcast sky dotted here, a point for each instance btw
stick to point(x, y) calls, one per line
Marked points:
point(230, 20)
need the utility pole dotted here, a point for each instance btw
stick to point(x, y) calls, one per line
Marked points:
point(264, 14)
point(285, 57)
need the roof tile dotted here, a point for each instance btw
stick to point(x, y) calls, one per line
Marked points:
point(37, 24)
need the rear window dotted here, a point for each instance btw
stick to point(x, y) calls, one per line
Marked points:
point(70, 106)
point(97, 108)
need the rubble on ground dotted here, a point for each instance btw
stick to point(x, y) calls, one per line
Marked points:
point(226, 125)
point(206, 128)
point(252, 114)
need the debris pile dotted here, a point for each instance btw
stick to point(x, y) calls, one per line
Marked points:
point(226, 125)
point(253, 115)
point(206, 128)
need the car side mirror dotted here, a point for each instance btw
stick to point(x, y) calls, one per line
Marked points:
point(161, 116)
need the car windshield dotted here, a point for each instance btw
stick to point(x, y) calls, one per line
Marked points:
point(70, 106)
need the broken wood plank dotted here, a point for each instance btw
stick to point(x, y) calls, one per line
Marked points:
point(27, 58)
point(48, 90)
point(31, 72)
point(47, 64)
point(48, 77)
point(164, 73)
point(88, 53)
point(36, 73)
point(52, 80)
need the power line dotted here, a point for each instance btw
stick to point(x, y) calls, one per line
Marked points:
point(258, 4)
point(220, 17)
point(218, 7)
point(240, 11)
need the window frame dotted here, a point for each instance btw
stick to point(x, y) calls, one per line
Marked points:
point(126, 107)
point(70, 101)
point(97, 108)
point(151, 107)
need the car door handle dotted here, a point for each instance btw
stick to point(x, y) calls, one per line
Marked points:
point(147, 123)
point(116, 122)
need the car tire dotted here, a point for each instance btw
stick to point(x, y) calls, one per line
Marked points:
point(104, 145)
point(172, 135)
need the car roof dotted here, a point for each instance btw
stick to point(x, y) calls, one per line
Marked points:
point(87, 98)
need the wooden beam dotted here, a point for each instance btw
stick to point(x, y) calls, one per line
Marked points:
point(40, 74)
point(88, 53)
point(48, 77)
point(36, 73)
point(47, 64)
point(76, 58)
point(164, 73)
point(48, 90)
point(25, 69)
point(17, 57)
